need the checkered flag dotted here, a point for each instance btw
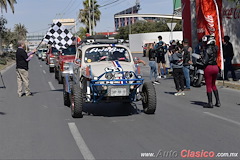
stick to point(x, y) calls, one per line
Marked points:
point(48, 37)
point(59, 36)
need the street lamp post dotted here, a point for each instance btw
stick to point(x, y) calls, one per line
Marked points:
point(89, 18)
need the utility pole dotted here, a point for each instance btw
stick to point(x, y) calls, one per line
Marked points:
point(93, 21)
point(193, 23)
point(89, 18)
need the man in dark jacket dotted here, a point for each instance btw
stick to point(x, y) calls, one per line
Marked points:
point(22, 59)
point(228, 56)
point(187, 61)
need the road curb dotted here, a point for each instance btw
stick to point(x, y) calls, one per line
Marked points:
point(229, 84)
point(7, 67)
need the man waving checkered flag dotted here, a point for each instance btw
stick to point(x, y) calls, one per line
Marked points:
point(59, 36)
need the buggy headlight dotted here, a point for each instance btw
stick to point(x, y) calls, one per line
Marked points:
point(95, 78)
point(51, 60)
point(128, 75)
point(109, 75)
point(66, 66)
point(132, 87)
point(139, 76)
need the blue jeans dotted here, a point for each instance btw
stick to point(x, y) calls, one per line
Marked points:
point(187, 76)
point(153, 69)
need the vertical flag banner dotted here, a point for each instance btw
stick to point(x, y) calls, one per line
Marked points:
point(212, 24)
point(59, 36)
point(186, 20)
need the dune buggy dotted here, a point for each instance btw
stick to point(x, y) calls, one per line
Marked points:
point(105, 73)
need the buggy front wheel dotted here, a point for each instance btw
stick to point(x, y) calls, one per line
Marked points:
point(149, 100)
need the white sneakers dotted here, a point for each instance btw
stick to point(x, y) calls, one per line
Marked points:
point(163, 76)
point(179, 94)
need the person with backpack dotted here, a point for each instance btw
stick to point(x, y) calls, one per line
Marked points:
point(187, 61)
point(176, 59)
point(160, 50)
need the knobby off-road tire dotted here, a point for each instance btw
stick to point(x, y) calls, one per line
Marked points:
point(66, 95)
point(60, 78)
point(51, 69)
point(56, 73)
point(198, 83)
point(76, 101)
point(149, 101)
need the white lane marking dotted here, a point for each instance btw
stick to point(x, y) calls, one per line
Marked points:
point(40, 65)
point(51, 86)
point(87, 154)
point(44, 71)
point(222, 118)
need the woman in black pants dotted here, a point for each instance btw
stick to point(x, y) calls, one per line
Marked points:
point(211, 69)
point(176, 59)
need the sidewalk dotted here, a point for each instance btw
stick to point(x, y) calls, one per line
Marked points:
point(231, 83)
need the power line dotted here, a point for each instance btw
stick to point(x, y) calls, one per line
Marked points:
point(108, 3)
point(70, 7)
point(64, 10)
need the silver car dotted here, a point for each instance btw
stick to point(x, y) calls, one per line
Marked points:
point(44, 54)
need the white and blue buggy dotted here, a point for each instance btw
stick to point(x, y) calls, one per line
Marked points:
point(105, 73)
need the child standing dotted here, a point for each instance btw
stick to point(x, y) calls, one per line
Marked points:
point(176, 59)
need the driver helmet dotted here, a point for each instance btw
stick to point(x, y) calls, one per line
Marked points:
point(209, 39)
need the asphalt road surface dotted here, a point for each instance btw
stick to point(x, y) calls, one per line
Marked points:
point(41, 127)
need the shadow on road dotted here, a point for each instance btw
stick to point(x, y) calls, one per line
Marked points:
point(111, 109)
point(172, 93)
point(199, 103)
point(2, 113)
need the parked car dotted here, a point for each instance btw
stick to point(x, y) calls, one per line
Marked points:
point(50, 60)
point(105, 73)
point(44, 54)
point(146, 48)
point(39, 53)
point(63, 59)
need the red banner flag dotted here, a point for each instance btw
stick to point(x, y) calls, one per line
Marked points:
point(211, 24)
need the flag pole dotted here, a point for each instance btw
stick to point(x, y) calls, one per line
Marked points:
point(220, 40)
point(39, 43)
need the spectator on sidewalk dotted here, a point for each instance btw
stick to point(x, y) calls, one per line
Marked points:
point(228, 56)
point(187, 61)
point(176, 59)
point(152, 64)
point(161, 49)
point(22, 59)
point(211, 69)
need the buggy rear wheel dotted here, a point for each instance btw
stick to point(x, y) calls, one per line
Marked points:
point(66, 95)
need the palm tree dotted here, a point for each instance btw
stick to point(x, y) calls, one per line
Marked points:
point(20, 31)
point(4, 4)
point(94, 16)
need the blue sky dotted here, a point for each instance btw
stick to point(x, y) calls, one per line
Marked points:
point(36, 15)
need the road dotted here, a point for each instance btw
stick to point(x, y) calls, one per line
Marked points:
point(41, 127)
